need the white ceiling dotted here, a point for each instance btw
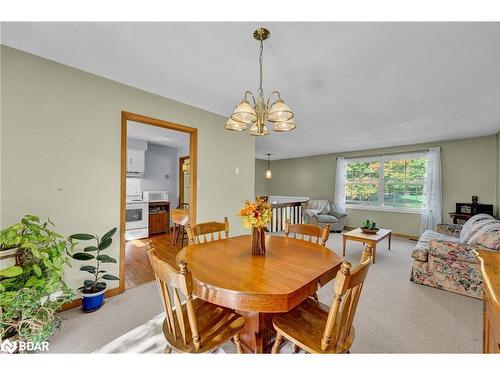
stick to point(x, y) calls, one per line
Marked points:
point(352, 86)
point(157, 135)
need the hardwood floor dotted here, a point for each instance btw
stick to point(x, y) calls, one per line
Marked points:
point(137, 267)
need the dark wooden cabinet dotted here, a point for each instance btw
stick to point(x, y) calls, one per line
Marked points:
point(159, 217)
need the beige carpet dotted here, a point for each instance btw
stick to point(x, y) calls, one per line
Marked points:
point(394, 315)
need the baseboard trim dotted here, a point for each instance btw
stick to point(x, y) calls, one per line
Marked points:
point(394, 234)
point(78, 302)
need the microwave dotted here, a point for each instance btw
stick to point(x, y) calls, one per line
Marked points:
point(155, 196)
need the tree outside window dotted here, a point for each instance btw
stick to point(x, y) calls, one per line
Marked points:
point(386, 182)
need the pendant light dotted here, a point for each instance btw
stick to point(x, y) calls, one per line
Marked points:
point(257, 113)
point(269, 174)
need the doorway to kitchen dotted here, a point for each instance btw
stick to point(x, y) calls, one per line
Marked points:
point(151, 190)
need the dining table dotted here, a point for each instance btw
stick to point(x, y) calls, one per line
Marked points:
point(226, 273)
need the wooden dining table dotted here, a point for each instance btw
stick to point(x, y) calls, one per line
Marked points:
point(226, 273)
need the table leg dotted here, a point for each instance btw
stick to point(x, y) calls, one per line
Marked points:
point(374, 247)
point(390, 237)
point(257, 334)
point(343, 245)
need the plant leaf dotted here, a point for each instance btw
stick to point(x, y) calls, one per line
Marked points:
point(37, 270)
point(105, 243)
point(90, 269)
point(105, 259)
point(83, 256)
point(110, 277)
point(90, 248)
point(11, 271)
point(109, 234)
point(88, 283)
point(82, 236)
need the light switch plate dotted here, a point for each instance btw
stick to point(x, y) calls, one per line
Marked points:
point(236, 170)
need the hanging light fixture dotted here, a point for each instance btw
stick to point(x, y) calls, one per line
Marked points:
point(269, 174)
point(256, 114)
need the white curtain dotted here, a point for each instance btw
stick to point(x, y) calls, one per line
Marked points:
point(432, 212)
point(340, 177)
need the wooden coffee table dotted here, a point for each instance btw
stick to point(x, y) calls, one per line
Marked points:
point(371, 239)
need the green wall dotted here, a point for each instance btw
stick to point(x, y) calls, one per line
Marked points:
point(469, 168)
point(261, 182)
point(60, 149)
point(498, 174)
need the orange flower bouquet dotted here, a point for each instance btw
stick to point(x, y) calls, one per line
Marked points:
point(256, 215)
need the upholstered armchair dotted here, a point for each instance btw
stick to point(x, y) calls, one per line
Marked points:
point(321, 212)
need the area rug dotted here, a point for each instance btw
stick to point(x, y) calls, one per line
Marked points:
point(148, 338)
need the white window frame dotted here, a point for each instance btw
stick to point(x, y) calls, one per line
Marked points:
point(381, 184)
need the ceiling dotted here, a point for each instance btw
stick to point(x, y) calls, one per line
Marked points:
point(352, 86)
point(157, 135)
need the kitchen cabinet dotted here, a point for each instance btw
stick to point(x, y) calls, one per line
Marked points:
point(135, 160)
point(159, 217)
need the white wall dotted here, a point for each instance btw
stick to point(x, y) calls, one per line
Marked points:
point(161, 161)
point(60, 149)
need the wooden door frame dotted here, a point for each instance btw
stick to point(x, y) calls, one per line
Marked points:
point(193, 151)
point(181, 177)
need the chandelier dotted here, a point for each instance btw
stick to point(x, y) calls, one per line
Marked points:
point(256, 115)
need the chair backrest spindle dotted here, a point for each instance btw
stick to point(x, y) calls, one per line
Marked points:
point(308, 232)
point(347, 289)
point(207, 232)
point(179, 316)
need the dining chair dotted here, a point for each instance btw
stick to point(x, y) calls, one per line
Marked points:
point(180, 218)
point(317, 328)
point(308, 232)
point(207, 232)
point(194, 326)
point(311, 233)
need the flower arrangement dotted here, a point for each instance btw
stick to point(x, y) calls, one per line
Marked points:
point(256, 215)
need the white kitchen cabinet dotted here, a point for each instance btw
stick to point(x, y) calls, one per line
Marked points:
point(135, 160)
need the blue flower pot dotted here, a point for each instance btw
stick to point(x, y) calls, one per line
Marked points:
point(92, 301)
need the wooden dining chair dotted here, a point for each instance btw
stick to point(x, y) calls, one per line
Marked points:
point(180, 218)
point(207, 232)
point(194, 326)
point(317, 328)
point(308, 232)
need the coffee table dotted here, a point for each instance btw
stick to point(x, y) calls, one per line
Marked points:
point(371, 239)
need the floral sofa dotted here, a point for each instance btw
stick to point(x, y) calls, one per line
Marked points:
point(444, 258)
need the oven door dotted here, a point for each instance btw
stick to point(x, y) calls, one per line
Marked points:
point(136, 215)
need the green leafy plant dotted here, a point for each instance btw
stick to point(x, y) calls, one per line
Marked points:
point(367, 224)
point(95, 285)
point(33, 290)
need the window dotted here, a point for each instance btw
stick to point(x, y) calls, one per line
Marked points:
point(388, 181)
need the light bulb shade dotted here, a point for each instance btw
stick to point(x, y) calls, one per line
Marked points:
point(235, 125)
point(254, 130)
point(284, 126)
point(279, 112)
point(269, 174)
point(244, 113)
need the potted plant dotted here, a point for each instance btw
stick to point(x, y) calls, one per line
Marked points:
point(93, 289)
point(32, 289)
point(369, 227)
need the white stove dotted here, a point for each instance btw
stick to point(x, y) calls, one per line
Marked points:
point(136, 212)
